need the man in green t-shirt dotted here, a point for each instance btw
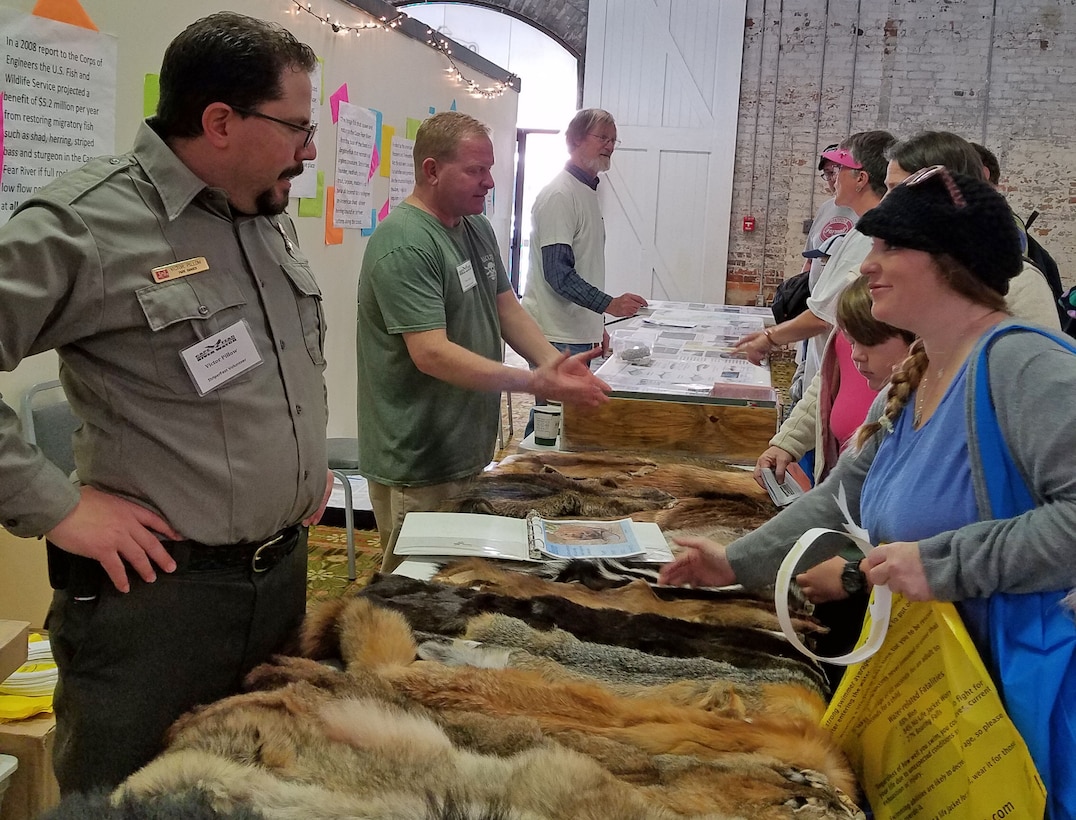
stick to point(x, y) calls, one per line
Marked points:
point(435, 304)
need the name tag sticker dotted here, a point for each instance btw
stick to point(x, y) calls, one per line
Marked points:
point(178, 270)
point(466, 274)
point(218, 359)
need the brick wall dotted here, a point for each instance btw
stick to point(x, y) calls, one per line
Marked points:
point(1005, 77)
point(998, 72)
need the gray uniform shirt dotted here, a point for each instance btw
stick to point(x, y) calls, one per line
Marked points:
point(236, 464)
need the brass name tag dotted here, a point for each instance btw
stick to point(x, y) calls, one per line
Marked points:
point(179, 269)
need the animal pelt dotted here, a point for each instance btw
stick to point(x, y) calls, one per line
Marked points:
point(435, 608)
point(747, 785)
point(296, 752)
point(624, 665)
point(648, 723)
point(712, 498)
point(634, 597)
point(726, 697)
point(192, 804)
point(554, 496)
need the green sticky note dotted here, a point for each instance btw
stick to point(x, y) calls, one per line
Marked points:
point(313, 206)
point(151, 94)
point(412, 127)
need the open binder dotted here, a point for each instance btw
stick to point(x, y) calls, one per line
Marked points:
point(458, 535)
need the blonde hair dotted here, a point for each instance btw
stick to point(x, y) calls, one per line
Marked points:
point(439, 136)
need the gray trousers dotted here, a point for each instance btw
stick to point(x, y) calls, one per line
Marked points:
point(130, 664)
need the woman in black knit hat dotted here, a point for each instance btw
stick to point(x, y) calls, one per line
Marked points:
point(962, 472)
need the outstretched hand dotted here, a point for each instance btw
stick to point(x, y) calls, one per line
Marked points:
point(568, 379)
point(702, 563)
point(116, 533)
point(754, 347)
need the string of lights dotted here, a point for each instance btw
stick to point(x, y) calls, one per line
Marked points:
point(473, 88)
point(432, 40)
point(383, 23)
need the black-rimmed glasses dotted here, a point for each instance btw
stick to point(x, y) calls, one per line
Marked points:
point(923, 174)
point(309, 130)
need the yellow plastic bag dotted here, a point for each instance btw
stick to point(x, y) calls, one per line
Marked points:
point(924, 728)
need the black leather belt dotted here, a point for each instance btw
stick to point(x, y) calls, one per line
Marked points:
point(260, 556)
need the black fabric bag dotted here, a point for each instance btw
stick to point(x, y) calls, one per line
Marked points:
point(790, 298)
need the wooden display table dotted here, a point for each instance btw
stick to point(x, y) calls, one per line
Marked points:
point(734, 433)
point(677, 388)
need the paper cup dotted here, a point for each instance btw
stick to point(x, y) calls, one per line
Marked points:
point(546, 424)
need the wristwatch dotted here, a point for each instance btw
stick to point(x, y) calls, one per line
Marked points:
point(853, 579)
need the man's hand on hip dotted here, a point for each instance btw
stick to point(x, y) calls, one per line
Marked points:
point(115, 532)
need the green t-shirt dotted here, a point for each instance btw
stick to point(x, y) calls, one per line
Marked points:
point(419, 275)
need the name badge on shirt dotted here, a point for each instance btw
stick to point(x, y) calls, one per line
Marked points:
point(178, 270)
point(218, 359)
point(466, 274)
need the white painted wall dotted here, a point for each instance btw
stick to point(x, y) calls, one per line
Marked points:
point(388, 71)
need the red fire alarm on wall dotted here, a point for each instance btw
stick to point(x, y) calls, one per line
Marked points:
point(748, 224)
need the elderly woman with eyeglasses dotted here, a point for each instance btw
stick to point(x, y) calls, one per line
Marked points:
point(962, 470)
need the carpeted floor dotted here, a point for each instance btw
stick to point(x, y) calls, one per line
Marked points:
point(327, 563)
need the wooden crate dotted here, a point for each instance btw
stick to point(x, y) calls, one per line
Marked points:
point(735, 433)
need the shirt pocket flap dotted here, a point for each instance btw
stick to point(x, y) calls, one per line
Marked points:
point(302, 278)
point(184, 300)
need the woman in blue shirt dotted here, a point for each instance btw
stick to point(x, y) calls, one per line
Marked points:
point(961, 472)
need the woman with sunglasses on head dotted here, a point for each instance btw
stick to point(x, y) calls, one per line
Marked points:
point(1030, 297)
point(961, 473)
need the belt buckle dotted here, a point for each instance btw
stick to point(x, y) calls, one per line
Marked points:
point(276, 539)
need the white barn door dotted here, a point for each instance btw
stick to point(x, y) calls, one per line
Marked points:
point(669, 72)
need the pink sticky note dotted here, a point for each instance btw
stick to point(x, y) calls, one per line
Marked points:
point(1, 134)
point(375, 161)
point(337, 97)
point(383, 212)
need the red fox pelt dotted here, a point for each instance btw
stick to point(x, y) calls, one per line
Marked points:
point(377, 639)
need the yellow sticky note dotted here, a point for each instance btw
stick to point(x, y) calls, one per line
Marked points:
point(387, 133)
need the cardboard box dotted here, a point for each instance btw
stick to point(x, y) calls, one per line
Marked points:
point(14, 636)
point(32, 789)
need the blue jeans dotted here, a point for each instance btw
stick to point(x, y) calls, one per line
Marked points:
point(562, 347)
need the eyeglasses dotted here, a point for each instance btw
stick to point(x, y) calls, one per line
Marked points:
point(830, 174)
point(607, 140)
point(941, 172)
point(306, 129)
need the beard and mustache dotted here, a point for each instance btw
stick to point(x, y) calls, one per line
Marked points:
point(271, 203)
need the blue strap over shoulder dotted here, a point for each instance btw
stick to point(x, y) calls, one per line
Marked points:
point(1032, 637)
